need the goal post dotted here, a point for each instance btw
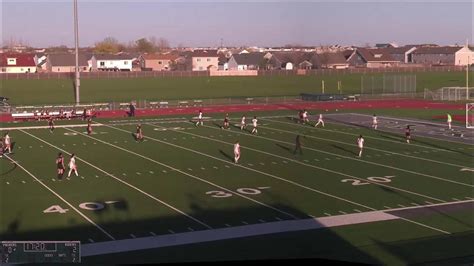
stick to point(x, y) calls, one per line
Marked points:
point(469, 115)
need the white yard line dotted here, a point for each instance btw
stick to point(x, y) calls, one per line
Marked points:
point(61, 198)
point(182, 172)
point(123, 182)
point(313, 166)
point(350, 134)
point(233, 232)
point(365, 161)
point(424, 225)
point(370, 148)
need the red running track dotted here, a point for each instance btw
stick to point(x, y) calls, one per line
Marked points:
point(329, 106)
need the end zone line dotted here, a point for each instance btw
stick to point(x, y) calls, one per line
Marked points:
point(61, 198)
point(123, 182)
point(317, 167)
point(350, 134)
point(374, 163)
point(187, 174)
point(369, 148)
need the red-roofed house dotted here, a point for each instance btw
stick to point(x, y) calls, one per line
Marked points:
point(17, 63)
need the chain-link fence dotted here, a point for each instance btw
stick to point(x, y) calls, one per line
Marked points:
point(450, 94)
point(388, 85)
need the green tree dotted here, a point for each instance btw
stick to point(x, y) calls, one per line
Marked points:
point(108, 46)
point(143, 45)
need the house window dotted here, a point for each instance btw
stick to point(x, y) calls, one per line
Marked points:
point(102, 63)
point(84, 68)
point(200, 68)
point(160, 62)
point(59, 69)
point(12, 61)
point(199, 59)
point(209, 60)
point(125, 62)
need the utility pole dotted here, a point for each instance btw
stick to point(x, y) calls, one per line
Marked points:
point(76, 38)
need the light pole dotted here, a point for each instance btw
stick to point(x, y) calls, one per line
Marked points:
point(76, 39)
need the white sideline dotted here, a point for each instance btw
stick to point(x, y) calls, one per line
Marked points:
point(253, 170)
point(123, 182)
point(61, 198)
point(370, 148)
point(321, 168)
point(356, 135)
point(370, 162)
point(187, 174)
point(232, 232)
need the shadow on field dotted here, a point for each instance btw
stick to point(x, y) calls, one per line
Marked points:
point(266, 237)
point(284, 147)
point(14, 166)
point(455, 249)
point(353, 152)
point(228, 156)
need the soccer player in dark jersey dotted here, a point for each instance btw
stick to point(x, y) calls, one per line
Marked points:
point(298, 145)
point(408, 134)
point(51, 124)
point(139, 134)
point(226, 122)
point(89, 126)
point(60, 165)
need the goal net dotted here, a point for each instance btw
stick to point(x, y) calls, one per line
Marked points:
point(469, 115)
point(450, 94)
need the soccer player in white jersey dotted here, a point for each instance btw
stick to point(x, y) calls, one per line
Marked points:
point(236, 152)
point(8, 143)
point(242, 123)
point(449, 121)
point(374, 122)
point(305, 116)
point(360, 143)
point(199, 118)
point(320, 120)
point(254, 123)
point(72, 165)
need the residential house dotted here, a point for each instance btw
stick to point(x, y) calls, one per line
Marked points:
point(247, 61)
point(157, 62)
point(372, 58)
point(17, 63)
point(444, 55)
point(66, 63)
point(204, 60)
point(335, 60)
point(401, 54)
point(465, 56)
point(110, 62)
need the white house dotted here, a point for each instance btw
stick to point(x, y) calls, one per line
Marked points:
point(109, 62)
point(464, 56)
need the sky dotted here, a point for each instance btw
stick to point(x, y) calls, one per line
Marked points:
point(197, 23)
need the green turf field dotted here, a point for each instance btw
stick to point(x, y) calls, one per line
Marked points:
point(181, 179)
point(26, 92)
